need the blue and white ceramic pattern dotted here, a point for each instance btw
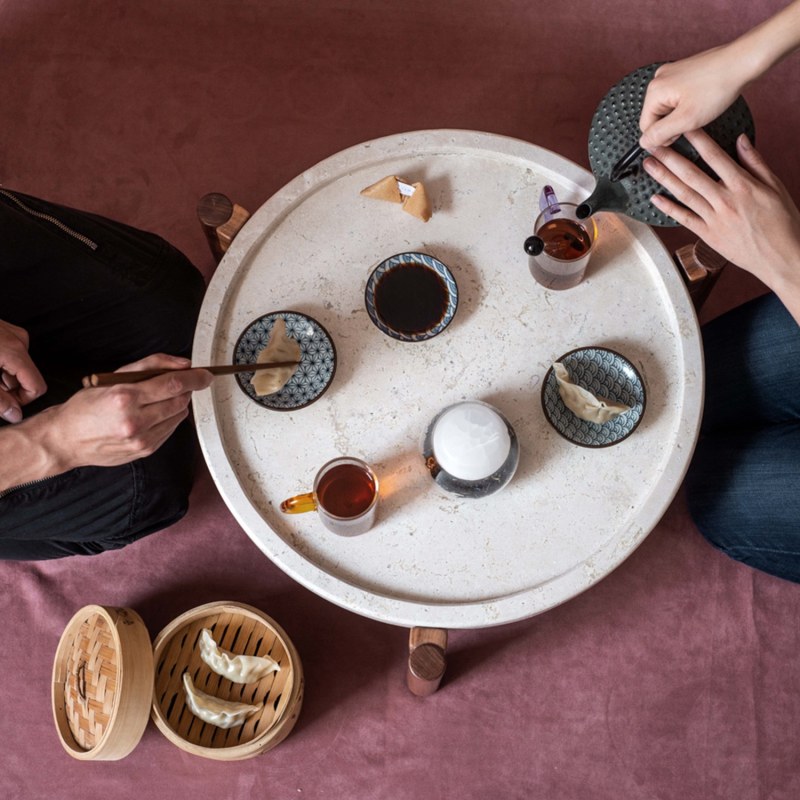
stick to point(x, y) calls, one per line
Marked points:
point(607, 374)
point(412, 258)
point(317, 360)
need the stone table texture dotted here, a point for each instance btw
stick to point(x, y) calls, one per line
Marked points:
point(571, 514)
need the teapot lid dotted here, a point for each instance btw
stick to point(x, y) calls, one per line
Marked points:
point(615, 129)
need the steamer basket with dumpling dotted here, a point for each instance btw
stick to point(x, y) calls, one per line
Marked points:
point(108, 680)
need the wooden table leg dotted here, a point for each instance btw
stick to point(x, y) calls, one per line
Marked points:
point(221, 219)
point(426, 660)
point(700, 267)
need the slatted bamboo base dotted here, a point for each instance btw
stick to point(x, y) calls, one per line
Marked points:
point(243, 630)
point(102, 683)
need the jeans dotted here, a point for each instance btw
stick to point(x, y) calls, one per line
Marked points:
point(93, 295)
point(743, 485)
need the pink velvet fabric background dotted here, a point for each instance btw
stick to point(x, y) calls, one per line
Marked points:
point(678, 676)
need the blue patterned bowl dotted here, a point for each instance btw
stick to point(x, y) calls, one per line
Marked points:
point(603, 372)
point(412, 258)
point(317, 360)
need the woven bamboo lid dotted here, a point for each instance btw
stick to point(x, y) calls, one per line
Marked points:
point(244, 630)
point(102, 683)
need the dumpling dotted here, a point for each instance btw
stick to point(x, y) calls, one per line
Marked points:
point(215, 711)
point(582, 402)
point(239, 669)
point(280, 347)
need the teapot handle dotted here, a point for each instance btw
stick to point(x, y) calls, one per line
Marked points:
point(700, 267)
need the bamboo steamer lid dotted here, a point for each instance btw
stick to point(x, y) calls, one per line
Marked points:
point(108, 680)
point(102, 683)
point(244, 630)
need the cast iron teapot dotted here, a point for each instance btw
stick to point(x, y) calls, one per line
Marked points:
point(615, 132)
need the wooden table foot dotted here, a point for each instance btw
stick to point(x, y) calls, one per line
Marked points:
point(221, 219)
point(700, 266)
point(426, 660)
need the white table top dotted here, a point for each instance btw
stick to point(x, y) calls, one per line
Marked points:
point(571, 514)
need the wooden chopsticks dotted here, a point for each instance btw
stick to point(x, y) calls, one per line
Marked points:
point(134, 376)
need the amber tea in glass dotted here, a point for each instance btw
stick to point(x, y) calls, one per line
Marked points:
point(345, 495)
point(346, 490)
point(568, 244)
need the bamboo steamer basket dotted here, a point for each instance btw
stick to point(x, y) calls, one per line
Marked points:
point(102, 683)
point(108, 681)
point(243, 630)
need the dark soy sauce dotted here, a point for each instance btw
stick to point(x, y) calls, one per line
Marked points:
point(411, 298)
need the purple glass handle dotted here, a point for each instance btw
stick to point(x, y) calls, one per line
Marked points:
point(548, 202)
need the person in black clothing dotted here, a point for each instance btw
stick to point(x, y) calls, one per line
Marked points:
point(87, 470)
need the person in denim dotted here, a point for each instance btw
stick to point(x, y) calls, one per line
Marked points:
point(743, 485)
point(87, 470)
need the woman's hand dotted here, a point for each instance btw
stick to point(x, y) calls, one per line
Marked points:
point(20, 380)
point(747, 216)
point(685, 95)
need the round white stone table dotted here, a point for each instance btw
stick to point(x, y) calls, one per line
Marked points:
point(571, 514)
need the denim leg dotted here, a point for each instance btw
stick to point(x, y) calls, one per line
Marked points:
point(744, 495)
point(752, 360)
point(743, 486)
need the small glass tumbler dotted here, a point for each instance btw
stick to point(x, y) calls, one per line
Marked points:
point(344, 495)
point(566, 245)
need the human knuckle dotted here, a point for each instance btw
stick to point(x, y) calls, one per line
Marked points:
point(175, 385)
point(140, 443)
point(121, 398)
point(129, 430)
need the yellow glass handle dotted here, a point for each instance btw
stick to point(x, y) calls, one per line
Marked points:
point(299, 504)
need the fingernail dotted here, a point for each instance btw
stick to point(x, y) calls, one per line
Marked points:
point(12, 415)
point(744, 142)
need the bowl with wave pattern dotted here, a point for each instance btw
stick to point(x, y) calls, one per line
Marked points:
point(398, 262)
point(317, 360)
point(606, 374)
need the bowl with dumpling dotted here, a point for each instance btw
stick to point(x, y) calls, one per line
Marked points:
point(282, 336)
point(593, 396)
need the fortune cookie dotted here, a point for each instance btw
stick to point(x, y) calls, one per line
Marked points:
point(411, 196)
point(385, 189)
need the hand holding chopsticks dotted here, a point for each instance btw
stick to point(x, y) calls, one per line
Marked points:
point(135, 376)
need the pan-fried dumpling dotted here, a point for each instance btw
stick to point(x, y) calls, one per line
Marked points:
point(239, 669)
point(280, 347)
point(582, 402)
point(214, 710)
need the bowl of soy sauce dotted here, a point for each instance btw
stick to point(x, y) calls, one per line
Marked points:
point(411, 297)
